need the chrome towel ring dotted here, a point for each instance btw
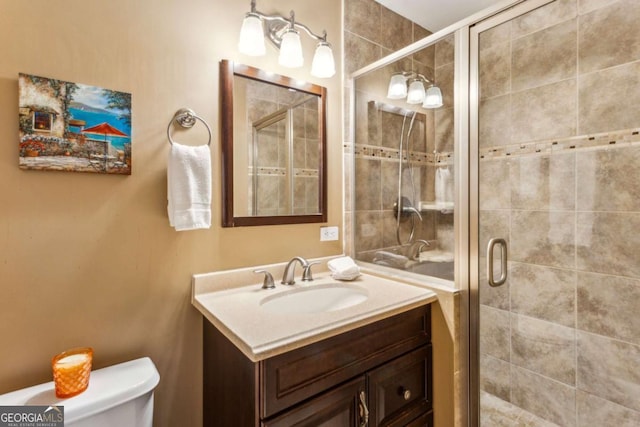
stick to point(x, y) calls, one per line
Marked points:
point(186, 118)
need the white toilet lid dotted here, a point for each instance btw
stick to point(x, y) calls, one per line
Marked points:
point(108, 387)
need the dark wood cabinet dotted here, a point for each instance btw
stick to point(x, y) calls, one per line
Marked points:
point(380, 372)
point(336, 408)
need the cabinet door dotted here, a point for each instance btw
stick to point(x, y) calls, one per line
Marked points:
point(400, 391)
point(340, 407)
point(425, 420)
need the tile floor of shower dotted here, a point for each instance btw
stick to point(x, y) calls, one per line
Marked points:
point(496, 412)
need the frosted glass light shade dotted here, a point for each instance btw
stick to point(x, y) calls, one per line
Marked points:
point(291, 50)
point(397, 87)
point(252, 36)
point(323, 65)
point(416, 92)
point(433, 98)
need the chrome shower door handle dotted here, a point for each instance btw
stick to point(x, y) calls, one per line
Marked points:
point(503, 262)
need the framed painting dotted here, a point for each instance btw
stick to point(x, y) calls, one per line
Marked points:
point(74, 127)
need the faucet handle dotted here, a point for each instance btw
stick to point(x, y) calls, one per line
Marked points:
point(306, 273)
point(268, 282)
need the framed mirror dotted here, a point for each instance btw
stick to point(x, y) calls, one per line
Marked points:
point(273, 137)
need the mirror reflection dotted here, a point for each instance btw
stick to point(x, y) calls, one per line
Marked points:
point(276, 138)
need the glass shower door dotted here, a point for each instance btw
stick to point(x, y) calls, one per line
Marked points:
point(554, 158)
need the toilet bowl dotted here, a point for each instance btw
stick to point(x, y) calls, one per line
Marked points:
point(119, 395)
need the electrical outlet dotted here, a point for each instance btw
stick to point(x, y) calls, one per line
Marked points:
point(328, 233)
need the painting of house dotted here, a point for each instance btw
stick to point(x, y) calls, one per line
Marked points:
point(68, 126)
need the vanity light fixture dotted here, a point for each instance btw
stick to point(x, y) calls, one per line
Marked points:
point(416, 93)
point(284, 34)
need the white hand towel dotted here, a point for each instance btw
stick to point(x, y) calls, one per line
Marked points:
point(443, 187)
point(343, 268)
point(189, 187)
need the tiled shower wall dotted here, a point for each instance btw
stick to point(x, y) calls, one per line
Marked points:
point(371, 32)
point(560, 173)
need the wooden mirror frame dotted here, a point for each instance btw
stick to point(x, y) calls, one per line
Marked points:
point(227, 72)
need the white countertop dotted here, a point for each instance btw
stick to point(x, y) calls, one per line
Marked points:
point(226, 300)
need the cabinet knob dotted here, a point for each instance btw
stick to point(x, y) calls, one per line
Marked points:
point(406, 394)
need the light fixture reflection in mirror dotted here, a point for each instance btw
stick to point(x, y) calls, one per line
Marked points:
point(273, 148)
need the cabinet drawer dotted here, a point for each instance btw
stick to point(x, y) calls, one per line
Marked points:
point(300, 374)
point(401, 390)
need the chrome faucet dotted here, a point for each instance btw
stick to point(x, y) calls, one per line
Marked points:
point(287, 277)
point(416, 248)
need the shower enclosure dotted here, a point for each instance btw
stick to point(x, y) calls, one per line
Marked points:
point(547, 156)
point(403, 168)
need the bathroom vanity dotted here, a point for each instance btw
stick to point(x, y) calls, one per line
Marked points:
point(380, 372)
point(369, 364)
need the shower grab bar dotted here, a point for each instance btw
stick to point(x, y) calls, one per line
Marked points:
point(503, 262)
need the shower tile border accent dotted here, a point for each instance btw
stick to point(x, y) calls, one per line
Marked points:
point(600, 141)
point(377, 152)
point(276, 171)
point(608, 140)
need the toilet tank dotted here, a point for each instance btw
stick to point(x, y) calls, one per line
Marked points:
point(119, 395)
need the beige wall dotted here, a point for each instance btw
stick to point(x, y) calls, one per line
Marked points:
point(90, 259)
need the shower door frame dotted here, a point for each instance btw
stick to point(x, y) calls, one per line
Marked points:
point(474, 31)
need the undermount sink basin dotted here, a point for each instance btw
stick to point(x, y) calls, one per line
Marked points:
point(315, 299)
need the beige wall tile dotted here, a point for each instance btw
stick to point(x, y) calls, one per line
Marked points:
point(544, 17)
point(495, 70)
point(595, 411)
point(427, 55)
point(494, 332)
point(390, 170)
point(617, 380)
point(586, 6)
point(543, 182)
point(609, 306)
point(493, 224)
point(608, 99)
point(391, 130)
point(445, 50)
point(545, 112)
point(368, 196)
point(606, 183)
point(495, 184)
point(444, 137)
point(444, 79)
point(362, 17)
point(368, 230)
point(609, 36)
point(544, 293)
point(497, 297)
point(495, 376)
point(543, 397)
point(495, 121)
point(359, 52)
point(608, 243)
point(495, 35)
point(544, 347)
point(543, 237)
point(396, 31)
point(544, 57)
